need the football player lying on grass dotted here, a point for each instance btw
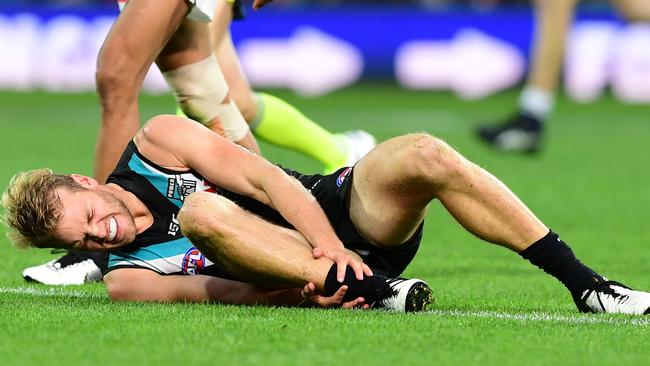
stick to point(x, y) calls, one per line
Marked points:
point(189, 216)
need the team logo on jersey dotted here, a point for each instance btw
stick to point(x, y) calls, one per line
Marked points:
point(193, 262)
point(180, 188)
point(343, 176)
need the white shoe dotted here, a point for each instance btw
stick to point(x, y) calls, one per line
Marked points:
point(405, 296)
point(359, 143)
point(70, 269)
point(614, 298)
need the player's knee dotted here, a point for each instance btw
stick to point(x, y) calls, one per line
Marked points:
point(200, 89)
point(203, 94)
point(112, 81)
point(203, 216)
point(430, 158)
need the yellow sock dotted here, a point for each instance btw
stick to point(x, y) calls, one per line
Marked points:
point(281, 124)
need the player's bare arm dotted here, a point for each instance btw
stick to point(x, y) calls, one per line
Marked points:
point(133, 284)
point(178, 143)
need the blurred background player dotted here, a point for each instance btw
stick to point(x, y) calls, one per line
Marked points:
point(271, 118)
point(274, 120)
point(523, 131)
point(176, 36)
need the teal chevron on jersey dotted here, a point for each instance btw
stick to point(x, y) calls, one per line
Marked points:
point(156, 251)
point(156, 177)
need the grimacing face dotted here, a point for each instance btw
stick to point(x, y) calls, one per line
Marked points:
point(93, 220)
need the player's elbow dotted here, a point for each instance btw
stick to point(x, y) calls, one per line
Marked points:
point(117, 290)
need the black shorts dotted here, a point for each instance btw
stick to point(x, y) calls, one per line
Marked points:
point(331, 191)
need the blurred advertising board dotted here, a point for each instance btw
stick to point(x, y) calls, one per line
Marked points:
point(317, 51)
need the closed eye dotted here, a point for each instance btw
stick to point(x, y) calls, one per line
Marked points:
point(80, 244)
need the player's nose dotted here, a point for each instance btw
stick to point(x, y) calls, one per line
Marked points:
point(98, 232)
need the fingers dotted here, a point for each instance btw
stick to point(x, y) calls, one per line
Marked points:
point(336, 300)
point(356, 303)
point(308, 291)
point(358, 269)
point(326, 302)
point(338, 295)
point(340, 269)
point(342, 260)
point(366, 269)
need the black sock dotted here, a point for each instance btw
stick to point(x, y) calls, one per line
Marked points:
point(552, 255)
point(370, 288)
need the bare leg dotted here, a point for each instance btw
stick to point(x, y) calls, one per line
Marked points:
point(244, 244)
point(190, 44)
point(126, 55)
point(552, 21)
point(634, 10)
point(394, 184)
point(240, 88)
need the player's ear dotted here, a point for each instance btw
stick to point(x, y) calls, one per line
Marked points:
point(85, 181)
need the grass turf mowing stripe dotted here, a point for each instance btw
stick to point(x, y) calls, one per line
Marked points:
point(541, 317)
point(49, 292)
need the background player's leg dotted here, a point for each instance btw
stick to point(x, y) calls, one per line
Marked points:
point(125, 57)
point(393, 185)
point(276, 121)
point(185, 60)
point(552, 22)
point(523, 132)
point(634, 10)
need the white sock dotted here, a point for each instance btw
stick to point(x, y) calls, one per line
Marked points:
point(536, 102)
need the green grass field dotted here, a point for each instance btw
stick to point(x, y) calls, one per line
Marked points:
point(590, 185)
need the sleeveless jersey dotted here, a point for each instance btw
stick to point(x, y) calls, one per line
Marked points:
point(161, 247)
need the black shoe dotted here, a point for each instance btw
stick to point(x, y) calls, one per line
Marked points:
point(405, 295)
point(521, 133)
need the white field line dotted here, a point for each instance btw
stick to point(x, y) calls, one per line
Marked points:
point(49, 292)
point(524, 318)
point(542, 317)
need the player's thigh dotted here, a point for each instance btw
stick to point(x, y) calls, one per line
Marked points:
point(135, 40)
point(385, 204)
point(189, 44)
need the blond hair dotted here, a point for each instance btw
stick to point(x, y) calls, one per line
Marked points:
point(32, 207)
